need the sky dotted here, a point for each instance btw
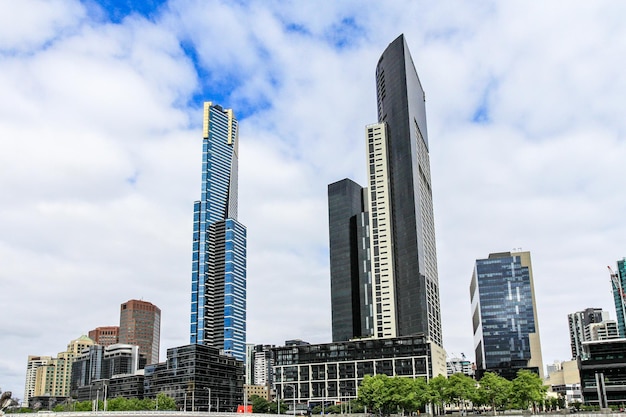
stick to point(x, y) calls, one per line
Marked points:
point(100, 154)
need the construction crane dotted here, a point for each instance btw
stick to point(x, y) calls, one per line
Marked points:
point(456, 362)
point(618, 288)
point(617, 284)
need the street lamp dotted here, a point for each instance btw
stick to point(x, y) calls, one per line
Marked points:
point(209, 389)
point(293, 389)
point(105, 395)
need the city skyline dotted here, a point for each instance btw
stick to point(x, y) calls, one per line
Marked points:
point(100, 122)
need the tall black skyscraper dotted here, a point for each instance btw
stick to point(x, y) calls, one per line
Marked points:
point(350, 288)
point(392, 241)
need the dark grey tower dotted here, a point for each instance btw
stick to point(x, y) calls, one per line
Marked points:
point(348, 254)
point(401, 107)
point(382, 238)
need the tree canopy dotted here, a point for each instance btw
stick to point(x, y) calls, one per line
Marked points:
point(386, 395)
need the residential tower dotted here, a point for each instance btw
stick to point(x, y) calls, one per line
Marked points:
point(218, 280)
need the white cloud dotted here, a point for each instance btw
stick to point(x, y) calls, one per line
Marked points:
point(30, 24)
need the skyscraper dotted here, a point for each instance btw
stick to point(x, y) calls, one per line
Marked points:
point(504, 315)
point(140, 324)
point(619, 295)
point(218, 278)
point(397, 287)
point(350, 285)
point(32, 364)
point(580, 327)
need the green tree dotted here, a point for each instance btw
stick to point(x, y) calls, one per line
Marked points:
point(493, 390)
point(386, 395)
point(83, 406)
point(117, 404)
point(528, 390)
point(437, 388)
point(373, 393)
point(460, 389)
point(407, 394)
point(273, 407)
point(165, 402)
point(259, 404)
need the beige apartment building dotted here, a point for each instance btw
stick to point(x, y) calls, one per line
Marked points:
point(47, 376)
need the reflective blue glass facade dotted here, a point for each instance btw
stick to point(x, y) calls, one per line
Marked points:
point(218, 283)
point(504, 313)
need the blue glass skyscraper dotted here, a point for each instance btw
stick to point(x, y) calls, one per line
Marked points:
point(218, 278)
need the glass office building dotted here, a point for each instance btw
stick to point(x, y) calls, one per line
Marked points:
point(504, 316)
point(197, 378)
point(332, 372)
point(350, 285)
point(602, 370)
point(218, 285)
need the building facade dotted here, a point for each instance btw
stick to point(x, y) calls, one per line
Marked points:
point(382, 238)
point(504, 315)
point(602, 368)
point(140, 325)
point(198, 378)
point(263, 365)
point(105, 363)
point(459, 365)
point(105, 335)
point(350, 284)
point(248, 367)
point(563, 379)
point(86, 369)
point(579, 330)
point(618, 281)
point(603, 331)
point(32, 364)
point(218, 283)
point(332, 372)
point(262, 391)
point(55, 378)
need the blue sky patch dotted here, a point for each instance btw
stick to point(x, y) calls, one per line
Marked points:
point(481, 113)
point(209, 90)
point(117, 10)
point(343, 34)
